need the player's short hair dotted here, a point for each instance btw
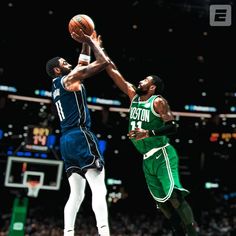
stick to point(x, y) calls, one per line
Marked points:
point(159, 84)
point(51, 64)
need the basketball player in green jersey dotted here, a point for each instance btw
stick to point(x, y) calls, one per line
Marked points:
point(150, 121)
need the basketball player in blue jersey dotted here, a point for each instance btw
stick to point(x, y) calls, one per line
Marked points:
point(150, 122)
point(79, 148)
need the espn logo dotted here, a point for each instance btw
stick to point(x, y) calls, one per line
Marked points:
point(220, 15)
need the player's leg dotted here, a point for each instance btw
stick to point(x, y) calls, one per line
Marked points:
point(171, 214)
point(160, 173)
point(96, 180)
point(157, 192)
point(171, 175)
point(77, 192)
point(185, 212)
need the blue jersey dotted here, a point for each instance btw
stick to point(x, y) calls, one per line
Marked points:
point(78, 144)
point(71, 107)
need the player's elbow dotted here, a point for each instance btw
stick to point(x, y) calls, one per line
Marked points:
point(107, 63)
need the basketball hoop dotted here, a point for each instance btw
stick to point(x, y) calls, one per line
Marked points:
point(33, 188)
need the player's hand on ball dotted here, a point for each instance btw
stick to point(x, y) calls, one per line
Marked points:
point(81, 37)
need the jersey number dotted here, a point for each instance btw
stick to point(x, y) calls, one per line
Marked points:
point(136, 124)
point(60, 110)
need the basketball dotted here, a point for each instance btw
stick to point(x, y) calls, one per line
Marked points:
point(81, 21)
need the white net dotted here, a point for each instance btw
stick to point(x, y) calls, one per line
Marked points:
point(33, 188)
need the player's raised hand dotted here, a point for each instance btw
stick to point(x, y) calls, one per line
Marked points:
point(81, 37)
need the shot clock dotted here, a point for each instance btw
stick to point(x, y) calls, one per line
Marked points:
point(38, 139)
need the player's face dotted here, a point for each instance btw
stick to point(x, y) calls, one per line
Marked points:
point(144, 85)
point(65, 66)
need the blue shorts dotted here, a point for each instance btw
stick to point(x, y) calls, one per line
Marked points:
point(80, 149)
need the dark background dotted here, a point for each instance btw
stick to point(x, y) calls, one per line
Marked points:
point(172, 39)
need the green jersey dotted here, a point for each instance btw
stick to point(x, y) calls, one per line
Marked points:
point(143, 115)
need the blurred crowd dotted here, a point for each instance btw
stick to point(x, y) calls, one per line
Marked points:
point(220, 221)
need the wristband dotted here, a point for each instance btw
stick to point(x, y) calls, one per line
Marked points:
point(85, 58)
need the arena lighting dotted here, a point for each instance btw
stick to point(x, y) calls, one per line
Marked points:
point(119, 109)
point(102, 144)
point(30, 99)
point(8, 88)
point(111, 181)
point(216, 136)
point(233, 109)
point(229, 196)
point(27, 154)
point(230, 94)
point(209, 185)
point(227, 115)
point(43, 93)
point(104, 101)
point(191, 114)
point(200, 108)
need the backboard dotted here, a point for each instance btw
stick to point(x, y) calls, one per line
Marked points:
point(21, 170)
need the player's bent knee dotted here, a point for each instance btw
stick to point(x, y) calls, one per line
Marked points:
point(176, 199)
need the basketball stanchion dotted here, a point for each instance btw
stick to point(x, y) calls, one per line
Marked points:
point(29, 174)
point(18, 218)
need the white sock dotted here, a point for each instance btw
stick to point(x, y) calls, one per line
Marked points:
point(104, 231)
point(69, 233)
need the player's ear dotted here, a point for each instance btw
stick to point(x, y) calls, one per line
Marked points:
point(56, 70)
point(153, 87)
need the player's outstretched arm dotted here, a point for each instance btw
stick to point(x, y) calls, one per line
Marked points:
point(120, 81)
point(116, 76)
point(81, 72)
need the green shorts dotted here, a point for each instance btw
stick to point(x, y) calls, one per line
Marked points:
point(161, 172)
